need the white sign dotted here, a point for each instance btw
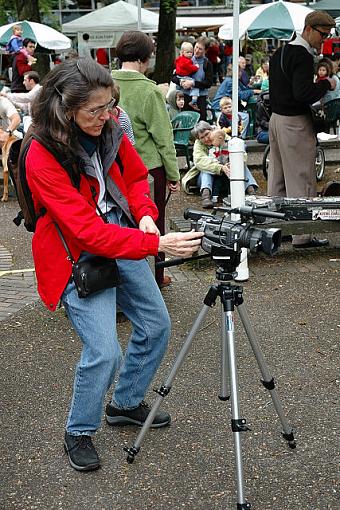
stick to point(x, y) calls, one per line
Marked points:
point(99, 39)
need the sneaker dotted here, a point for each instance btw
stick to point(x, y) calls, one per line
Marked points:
point(137, 416)
point(313, 243)
point(81, 453)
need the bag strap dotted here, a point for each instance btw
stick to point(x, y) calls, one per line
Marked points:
point(281, 64)
point(64, 243)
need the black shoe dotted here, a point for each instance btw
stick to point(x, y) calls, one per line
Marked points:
point(313, 243)
point(137, 416)
point(81, 452)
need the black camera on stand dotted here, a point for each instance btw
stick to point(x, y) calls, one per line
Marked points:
point(224, 238)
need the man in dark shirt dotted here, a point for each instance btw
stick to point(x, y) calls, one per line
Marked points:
point(22, 64)
point(291, 135)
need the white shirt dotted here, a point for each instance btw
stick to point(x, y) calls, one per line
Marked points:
point(300, 41)
point(7, 110)
point(23, 100)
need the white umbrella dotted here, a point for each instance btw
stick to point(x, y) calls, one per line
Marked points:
point(117, 17)
point(278, 20)
point(44, 35)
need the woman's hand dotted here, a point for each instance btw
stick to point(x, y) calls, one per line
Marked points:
point(173, 186)
point(226, 169)
point(187, 84)
point(181, 244)
point(148, 226)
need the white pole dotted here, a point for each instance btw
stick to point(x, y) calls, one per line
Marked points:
point(139, 22)
point(236, 146)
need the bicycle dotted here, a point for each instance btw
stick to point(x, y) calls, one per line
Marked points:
point(319, 162)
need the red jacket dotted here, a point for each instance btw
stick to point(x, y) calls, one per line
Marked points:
point(75, 213)
point(185, 67)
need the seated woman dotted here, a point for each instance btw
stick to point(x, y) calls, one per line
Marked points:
point(206, 168)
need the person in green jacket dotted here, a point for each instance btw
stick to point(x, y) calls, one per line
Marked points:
point(207, 168)
point(145, 105)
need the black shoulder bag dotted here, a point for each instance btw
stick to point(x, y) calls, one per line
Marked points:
point(317, 114)
point(94, 274)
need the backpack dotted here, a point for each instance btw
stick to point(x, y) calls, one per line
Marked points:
point(17, 170)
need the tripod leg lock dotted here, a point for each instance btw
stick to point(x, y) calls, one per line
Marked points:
point(269, 385)
point(132, 452)
point(163, 391)
point(239, 426)
point(244, 506)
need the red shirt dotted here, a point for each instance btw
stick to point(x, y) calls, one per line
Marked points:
point(184, 66)
point(212, 53)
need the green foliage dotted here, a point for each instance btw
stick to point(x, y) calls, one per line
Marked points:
point(244, 5)
point(169, 6)
point(7, 12)
point(256, 48)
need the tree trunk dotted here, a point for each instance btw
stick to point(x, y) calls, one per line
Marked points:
point(28, 10)
point(165, 55)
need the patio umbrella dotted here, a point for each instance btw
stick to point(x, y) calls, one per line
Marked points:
point(330, 6)
point(278, 20)
point(45, 36)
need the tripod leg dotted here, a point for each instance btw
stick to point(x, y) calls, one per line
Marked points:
point(165, 389)
point(224, 390)
point(267, 381)
point(238, 424)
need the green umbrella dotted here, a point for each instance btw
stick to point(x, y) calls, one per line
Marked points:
point(278, 20)
point(330, 6)
point(44, 35)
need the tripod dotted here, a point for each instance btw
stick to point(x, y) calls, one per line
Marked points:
point(231, 296)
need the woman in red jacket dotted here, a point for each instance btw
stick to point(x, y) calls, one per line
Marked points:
point(102, 206)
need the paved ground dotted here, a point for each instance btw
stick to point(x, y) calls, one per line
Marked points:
point(293, 303)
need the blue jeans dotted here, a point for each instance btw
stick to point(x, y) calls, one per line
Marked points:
point(94, 319)
point(245, 123)
point(263, 137)
point(206, 180)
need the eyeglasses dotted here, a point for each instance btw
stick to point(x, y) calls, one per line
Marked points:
point(324, 35)
point(99, 111)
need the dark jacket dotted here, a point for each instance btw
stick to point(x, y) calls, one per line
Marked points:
point(263, 112)
point(19, 68)
point(293, 91)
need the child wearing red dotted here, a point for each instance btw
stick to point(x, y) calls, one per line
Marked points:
point(186, 69)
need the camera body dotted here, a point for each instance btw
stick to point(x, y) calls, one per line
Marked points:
point(222, 235)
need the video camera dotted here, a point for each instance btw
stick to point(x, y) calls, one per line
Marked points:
point(222, 235)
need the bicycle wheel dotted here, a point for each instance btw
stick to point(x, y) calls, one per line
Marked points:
point(265, 161)
point(319, 163)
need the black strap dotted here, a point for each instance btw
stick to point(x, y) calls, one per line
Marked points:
point(64, 242)
point(119, 163)
point(281, 64)
point(68, 165)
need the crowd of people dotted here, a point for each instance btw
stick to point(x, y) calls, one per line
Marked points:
point(114, 131)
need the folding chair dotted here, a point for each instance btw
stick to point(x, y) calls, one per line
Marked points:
point(182, 125)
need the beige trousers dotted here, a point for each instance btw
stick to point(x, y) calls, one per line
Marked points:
point(291, 171)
